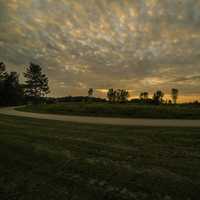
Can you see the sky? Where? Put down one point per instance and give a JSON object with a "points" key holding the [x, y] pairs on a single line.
{"points": [[139, 45]]}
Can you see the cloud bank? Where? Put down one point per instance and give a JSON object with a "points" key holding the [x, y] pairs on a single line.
{"points": [[138, 45]]}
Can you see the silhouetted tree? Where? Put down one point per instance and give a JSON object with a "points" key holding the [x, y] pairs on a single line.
{"points": [[2, 79], [144, 95], [90, 92], [158, 97], [13, 92], [174, 94], [2, 71], [117, 95], [122, 95], [111, 95], [36, 82]]}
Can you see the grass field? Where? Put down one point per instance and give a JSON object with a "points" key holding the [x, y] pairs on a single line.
{"points": [[119, 110], [43, 160]]}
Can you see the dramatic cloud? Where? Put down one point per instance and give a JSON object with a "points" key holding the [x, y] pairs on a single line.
{"points": [[140, 45]]}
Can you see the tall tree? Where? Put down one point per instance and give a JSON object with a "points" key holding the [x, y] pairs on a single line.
{"points": [[13, 92], [36, 82], [174, 94], [158, 97]]}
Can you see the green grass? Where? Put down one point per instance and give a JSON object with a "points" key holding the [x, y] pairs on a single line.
{"points": [[119, 110], [42, 159]]}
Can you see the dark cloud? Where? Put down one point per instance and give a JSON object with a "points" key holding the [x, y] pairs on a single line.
{"points": [[139, 45]]}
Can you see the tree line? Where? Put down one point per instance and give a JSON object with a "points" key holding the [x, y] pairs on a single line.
{"points": [[158, 97], [36, 87], [121, 96], [12, 92]]}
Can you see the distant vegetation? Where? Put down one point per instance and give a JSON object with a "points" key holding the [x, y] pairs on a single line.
{"points": [[36, 88], [128, 110]]}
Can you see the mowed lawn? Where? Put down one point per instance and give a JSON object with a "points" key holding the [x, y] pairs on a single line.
{"points": [[42, 160], [128, 110]]}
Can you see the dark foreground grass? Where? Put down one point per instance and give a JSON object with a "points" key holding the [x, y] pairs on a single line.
{"points": [[119, 110], [42, 160]]}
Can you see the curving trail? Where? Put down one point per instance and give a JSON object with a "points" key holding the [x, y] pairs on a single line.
{"points": [[104, 120]]}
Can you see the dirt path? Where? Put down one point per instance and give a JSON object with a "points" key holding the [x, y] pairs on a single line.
{"points": [[104, 120]]}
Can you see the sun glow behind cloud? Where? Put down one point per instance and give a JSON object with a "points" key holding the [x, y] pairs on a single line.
{"points": [[138, 45]]}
